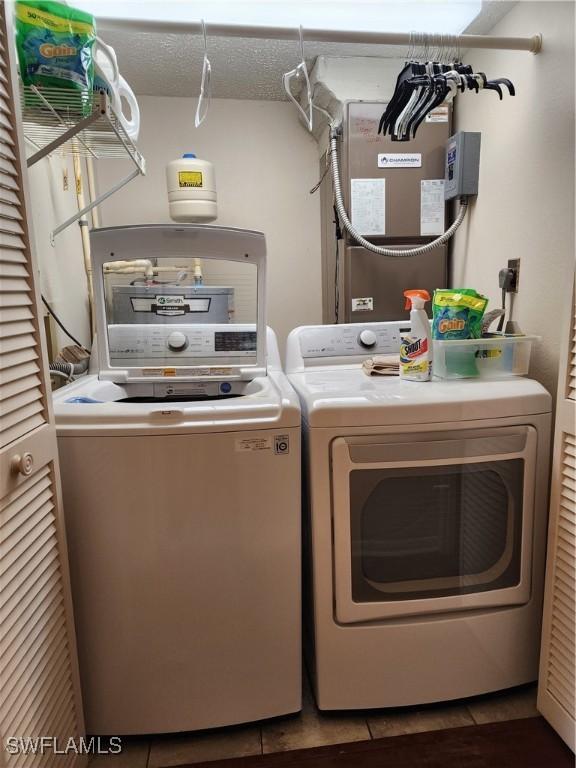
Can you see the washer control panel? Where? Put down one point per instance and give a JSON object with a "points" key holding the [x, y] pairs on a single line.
{"points": [[180, 343], [353, 340]]}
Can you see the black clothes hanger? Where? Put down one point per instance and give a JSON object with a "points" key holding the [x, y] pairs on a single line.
{"points": [[422, 87], [401, 96], [507, 83]]}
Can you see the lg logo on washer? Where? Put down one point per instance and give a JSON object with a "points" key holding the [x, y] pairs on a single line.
{"points": [[282, 444]]}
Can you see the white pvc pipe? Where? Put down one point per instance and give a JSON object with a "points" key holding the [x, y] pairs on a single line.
{"points": [[143, 266], [95, 213], [532, 44], [135, 265], [79, 181]]}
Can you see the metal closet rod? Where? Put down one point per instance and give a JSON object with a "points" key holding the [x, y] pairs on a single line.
{"points": [[532, 44]]}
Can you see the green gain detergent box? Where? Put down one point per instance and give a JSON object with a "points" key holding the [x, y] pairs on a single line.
{"points": [[54, 43], [457, 313]]}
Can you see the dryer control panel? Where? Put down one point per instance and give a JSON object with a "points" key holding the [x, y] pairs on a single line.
{"points": [[352, 340]]}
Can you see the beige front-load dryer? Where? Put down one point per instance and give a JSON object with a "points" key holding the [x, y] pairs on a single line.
{"points": [[425, 524]]}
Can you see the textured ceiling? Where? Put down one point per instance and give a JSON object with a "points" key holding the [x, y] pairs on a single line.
{"points": [[242, 68]]}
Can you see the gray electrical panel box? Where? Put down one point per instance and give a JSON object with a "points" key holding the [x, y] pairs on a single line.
{"points": [[462, 165]]}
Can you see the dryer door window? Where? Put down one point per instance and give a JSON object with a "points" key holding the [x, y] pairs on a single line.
{"points": [[435, 531], [433, 522]]}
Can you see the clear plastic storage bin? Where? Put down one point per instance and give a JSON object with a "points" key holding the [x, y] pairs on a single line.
{"points": [[497, 357]]}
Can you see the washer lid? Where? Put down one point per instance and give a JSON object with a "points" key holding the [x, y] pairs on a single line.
{"points": [[91, 406], [185, 302], [347, 397]]}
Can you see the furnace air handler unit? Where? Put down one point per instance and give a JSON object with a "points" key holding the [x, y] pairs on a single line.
{"points": [[394, 195]]}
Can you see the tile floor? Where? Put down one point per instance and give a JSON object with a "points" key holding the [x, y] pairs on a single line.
{"points": [[312, 728]]}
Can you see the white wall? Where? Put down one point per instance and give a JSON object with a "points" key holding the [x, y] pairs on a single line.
{"points": [[62, 276], [265, 164], [525, 206]]}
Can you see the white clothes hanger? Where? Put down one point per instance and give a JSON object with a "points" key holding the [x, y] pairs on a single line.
{"points": [[300, 71], [205, 85]]}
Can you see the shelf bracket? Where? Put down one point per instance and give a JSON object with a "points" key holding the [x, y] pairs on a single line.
{"points": [[66, 136], [48, 111], [93, 204]]}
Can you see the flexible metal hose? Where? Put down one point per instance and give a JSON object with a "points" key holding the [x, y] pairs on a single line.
{"points": [[69, 369], [339, 201], [61, 375]]}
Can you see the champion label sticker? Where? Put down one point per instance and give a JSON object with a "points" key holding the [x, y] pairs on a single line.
{"points": [[400, 160], [252, 444]]}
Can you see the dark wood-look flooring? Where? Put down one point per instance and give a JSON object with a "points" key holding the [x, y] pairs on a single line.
{"points": [[312, 728], [526, 743]]}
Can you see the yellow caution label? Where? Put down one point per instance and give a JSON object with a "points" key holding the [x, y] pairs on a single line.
{"points": [[189, 178], [169, 372]]}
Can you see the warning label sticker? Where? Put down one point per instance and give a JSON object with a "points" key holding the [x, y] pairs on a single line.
{"points": [[253, 444], [363, 304], [432, 206], [438, 115], [189, 178]]}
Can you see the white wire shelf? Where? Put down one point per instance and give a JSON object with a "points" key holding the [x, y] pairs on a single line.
{"points": [[64, 121]]}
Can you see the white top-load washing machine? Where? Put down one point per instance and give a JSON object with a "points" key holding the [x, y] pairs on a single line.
{"points": [[425, 525], [180, 461]]}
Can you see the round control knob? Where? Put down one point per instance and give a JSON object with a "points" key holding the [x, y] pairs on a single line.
{"points": [[367, 338], [177, 341]]}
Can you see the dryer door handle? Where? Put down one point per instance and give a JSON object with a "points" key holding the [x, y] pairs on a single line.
{"points": [[461, 448]]}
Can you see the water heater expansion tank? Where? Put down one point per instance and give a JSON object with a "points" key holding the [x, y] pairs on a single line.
{"points": [[191, 189]]}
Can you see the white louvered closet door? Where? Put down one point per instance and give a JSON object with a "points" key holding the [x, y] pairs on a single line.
{"points": [[557, 683], [39, 682]]}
